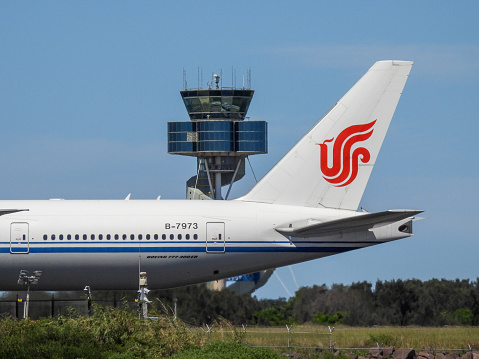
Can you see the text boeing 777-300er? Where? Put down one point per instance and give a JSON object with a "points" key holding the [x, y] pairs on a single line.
{"points": [[304, 208]]}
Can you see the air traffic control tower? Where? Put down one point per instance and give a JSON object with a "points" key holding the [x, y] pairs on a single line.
{"points": [[218, 135]]}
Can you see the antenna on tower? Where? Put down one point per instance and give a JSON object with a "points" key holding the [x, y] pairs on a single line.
{"points": [[185, 84]]}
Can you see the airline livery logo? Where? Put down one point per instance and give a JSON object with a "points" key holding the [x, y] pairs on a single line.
{"points": [[344, 168]]}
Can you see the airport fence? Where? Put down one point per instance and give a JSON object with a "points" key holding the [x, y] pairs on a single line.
{"points": [[52, 304], [289, 340]]}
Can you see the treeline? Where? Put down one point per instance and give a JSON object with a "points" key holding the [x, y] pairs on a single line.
{"points": [[411, 302]]}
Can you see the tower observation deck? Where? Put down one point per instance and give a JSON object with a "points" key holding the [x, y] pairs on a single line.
{"points": [[218, 135]]}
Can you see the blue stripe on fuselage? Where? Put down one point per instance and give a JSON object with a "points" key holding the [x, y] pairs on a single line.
{"points": [[144, 250]]}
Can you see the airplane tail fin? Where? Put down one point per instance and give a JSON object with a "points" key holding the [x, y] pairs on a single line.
{"points": [[330, 166]]}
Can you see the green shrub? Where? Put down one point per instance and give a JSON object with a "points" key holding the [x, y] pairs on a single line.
{"points": [[464, 316], [273, 316], [328, 319], [109, 332]]}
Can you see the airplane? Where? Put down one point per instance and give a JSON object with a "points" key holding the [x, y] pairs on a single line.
{"points": [[304, 208]]}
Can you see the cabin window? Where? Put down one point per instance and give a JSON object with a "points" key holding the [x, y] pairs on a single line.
{"points": [[85, 237], [195, 236], [179, 237], [77, 237], [147, 237], [92, 237], [163, 236], [187, 237], [100, 237], [140, 237], [117, 237], [45, 237], [53, 237], [156, 237], [124, 237], [69, 237], [60, 237], [108, 237], [132, 236], [172, 236]]}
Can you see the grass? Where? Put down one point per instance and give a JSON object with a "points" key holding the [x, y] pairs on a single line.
{"points": [[351, 337], [411, 337]]}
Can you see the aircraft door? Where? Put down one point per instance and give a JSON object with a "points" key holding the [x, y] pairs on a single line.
{"points": [[19, 241], [215, 237]]}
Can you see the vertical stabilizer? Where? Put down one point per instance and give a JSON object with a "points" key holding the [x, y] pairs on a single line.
{"points": [[330, 166]]}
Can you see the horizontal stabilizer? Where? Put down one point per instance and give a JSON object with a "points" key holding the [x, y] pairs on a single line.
{"points": [[356, 223], [8, 211]]}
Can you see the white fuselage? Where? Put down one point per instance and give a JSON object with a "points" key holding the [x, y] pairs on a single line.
{"points": [[283, 219], [104, 244]]}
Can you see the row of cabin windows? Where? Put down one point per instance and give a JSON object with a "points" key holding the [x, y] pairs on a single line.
{"points": [[116, 237]]}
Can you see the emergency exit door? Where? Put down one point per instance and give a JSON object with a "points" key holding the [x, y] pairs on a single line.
{"points": [[215, 237], [19, 242]]}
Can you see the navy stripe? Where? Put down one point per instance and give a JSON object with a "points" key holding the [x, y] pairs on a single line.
{"points": [[183, 249], [71, 243]]}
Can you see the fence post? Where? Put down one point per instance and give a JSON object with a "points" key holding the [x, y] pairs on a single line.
{"points": [[208, 331], [289, 332], [331, 344]]}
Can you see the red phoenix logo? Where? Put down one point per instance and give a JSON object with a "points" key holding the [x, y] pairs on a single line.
{"points": [[345, 164]]}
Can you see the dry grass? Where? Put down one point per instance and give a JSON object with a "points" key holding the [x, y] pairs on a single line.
{"points": [[348, 337]]}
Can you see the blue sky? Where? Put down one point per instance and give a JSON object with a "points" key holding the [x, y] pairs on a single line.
{"points": [[86, 90]]}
